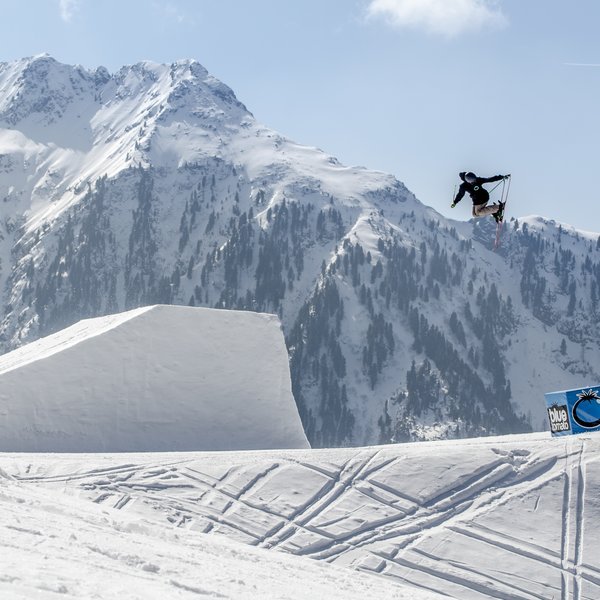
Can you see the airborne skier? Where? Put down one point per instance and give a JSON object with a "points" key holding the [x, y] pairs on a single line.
{"points": [[473, 184]]}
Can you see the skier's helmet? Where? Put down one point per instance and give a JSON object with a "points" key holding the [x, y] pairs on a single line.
{"points": [[470, 177]]}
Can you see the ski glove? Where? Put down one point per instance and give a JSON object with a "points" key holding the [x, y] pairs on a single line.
{"points": [[453, 205]]}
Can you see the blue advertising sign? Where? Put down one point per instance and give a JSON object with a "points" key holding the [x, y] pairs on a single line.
{"points": [[574, 411]]}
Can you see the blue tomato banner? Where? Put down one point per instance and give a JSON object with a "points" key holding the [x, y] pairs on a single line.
{"points": [[574, 411]]}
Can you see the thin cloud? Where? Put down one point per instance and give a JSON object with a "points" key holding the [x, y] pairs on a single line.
{"points": [[68, 9], [171, 11], [174, 13], [582, 64], [445, 17]]}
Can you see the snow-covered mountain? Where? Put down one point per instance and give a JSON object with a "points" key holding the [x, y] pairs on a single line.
{"points": [[156, 185], [509, 517]]}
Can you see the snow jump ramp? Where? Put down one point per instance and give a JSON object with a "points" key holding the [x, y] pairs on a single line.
{"points": [[158, 378]]}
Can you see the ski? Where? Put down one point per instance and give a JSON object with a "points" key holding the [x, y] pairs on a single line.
{"points": [[498, 234], [500, 220]]}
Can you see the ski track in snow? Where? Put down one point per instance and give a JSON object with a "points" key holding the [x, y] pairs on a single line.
{"points": [[469, 526]]}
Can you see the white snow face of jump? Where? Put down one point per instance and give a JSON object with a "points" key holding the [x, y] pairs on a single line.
{"points": [[158, 378]]}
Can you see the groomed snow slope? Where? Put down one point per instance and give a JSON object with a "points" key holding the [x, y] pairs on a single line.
{"points": [[54, 546], [510, 517], [159, 378]]}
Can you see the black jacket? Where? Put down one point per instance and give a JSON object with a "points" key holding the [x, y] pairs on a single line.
{"points": [[478, 194]]}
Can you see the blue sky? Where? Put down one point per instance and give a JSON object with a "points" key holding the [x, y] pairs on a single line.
{"points": [[422, 89]]}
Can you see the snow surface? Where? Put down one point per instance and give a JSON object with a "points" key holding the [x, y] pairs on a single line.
{"points": [[152, 379], [509, 518], [56, 546]]}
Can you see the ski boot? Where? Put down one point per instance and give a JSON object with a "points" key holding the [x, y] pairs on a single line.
{"points": [[499, 214]]}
